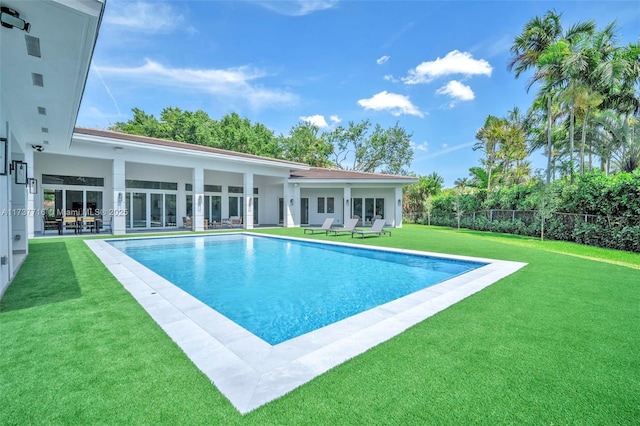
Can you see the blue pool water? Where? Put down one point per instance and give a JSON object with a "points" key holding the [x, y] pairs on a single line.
{"points": [[279, 289]]}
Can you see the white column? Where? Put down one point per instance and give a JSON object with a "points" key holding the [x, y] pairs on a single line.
{"points": [[198, 199], [31, 216], [289, 207], [119, 210], [247, 220], [346, 204], [398, 207]]}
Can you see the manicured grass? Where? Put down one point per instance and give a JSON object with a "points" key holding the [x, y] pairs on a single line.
{"points": [[555, 343]]}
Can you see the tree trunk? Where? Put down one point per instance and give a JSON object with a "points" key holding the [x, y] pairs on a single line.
{"points": [[571, 137], [549, 141], [583, 141]]}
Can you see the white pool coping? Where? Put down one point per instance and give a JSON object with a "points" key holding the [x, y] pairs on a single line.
{"points": [[249, 371]]}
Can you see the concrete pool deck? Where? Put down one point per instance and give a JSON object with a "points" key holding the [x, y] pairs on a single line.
{"points": [[249, 371]]}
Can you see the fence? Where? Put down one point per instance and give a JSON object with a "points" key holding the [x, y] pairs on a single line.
{"points": [[612, 232]]}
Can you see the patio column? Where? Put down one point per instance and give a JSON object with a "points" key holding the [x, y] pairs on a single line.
{"points": [[289, 204], [397, 203], [247, 182], [119, 210], [346, 204], [198, 199], [31, 218]]}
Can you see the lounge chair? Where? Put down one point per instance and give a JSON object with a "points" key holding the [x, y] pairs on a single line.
{"points": [[235, 220], [376, 229], [326, 227], [348, 227]]}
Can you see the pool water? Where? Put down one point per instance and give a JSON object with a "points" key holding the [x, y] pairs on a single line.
{"points": [[279, 289]]}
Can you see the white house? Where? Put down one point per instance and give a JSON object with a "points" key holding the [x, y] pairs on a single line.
{"points": [[133, 183]]}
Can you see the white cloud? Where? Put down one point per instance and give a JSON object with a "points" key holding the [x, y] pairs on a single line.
{"points": [[424, 146], [381, 60], [390, 78], [320, 121], [457, 91], [144, 17], [235, 82], [454, 62], [447, 150], [445, 145], [317, 120], [392, 102], [298, 7]]}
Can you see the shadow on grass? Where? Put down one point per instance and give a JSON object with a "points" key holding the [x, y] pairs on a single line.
{"points": [[47, 276]]}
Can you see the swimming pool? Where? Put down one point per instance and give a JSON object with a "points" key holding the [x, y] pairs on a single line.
{"points": [[251, 372], [280, 289]]}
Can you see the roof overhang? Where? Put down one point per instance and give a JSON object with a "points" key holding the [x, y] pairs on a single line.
{"points": [[40, 95], [174, 148], [342, 182]]}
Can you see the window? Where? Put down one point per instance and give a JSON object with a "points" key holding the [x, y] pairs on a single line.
{"points": [[146, 184], [72, 180], [213, 188], [236, 190], [320, 204], [330, 203]]}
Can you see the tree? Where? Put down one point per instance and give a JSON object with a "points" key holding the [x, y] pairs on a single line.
{"points": [[304, 145], [383, 150], [239, 134], [488, 137], [537, 48]]}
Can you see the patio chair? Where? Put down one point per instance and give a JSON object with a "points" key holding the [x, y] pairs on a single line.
{"points": [[86, 222], [70, 222], [326, 227], [51, 223], [235, 220], [376, 229], [350, 226], [186, 222]]}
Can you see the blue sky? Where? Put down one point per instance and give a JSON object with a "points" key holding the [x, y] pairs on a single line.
{"points": [[437, 68]]}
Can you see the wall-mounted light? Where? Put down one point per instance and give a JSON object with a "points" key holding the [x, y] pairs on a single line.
{"points": [[9, 18], [120, 197], [21, 172], [199, 202], [399, 202], [347, 201], [33, 185], [291, 201], [4, 153]]}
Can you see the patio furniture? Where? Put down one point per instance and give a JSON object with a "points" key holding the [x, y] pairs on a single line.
{"points": [[50, 223], [69, 222], [186, 222], [376, 229], [348, 227], [326, 227], [86, 222], [102, 224], [235, 220]]}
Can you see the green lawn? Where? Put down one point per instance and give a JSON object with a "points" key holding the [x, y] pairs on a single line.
{"points": [[557, 343]]}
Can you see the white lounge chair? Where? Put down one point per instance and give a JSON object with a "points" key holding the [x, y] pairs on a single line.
{"points": [[326, 227], [350, 226], [376, 229]]}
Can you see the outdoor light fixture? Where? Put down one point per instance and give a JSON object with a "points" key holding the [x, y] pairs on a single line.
{"points": [[399, 202], [120, 198], [21, 172], [291, 201], [9, 18], [3, 156]]}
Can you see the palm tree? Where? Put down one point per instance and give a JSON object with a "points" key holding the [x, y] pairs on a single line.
{"points": [[540, 47], [489, 137]]}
